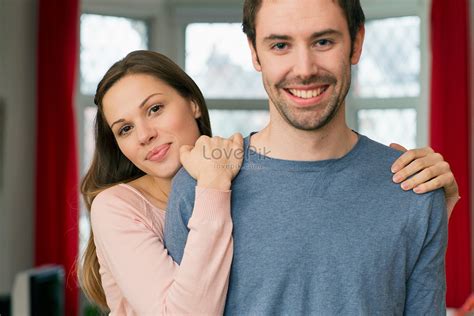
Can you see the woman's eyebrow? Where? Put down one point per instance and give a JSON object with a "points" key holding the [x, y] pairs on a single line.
{"points": [[147, 98], [140, 106]]}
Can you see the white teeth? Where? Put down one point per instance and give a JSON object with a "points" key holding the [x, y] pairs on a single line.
{"points": [[307, 94]]}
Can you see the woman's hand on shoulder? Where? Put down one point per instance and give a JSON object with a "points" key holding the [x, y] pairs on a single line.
{"points": [[423, 170], [214, 161]]}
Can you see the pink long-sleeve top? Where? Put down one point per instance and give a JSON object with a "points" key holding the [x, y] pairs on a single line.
{"points": [[138, 275]]}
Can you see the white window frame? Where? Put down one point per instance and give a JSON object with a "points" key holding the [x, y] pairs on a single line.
{"points": [[379, 9], [218, 13]]}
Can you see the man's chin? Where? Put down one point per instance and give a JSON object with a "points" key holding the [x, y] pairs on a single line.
{"points": [[309, 119], [308, 125]]}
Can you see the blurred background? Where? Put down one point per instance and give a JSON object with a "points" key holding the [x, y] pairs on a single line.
{"points": [[412, 87]]}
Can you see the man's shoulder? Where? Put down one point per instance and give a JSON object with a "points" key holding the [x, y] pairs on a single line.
{"points": [[433, 203], [182, 194], [183, 181], [379, 153], [376, 161]]}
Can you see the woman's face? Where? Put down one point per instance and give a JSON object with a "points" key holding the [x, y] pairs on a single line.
{"points": [[150, 121]]}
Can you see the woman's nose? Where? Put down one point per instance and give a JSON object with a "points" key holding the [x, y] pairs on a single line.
{"points": [[146, 134]]}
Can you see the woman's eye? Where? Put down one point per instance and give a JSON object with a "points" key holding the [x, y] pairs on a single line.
{"points": [[155, 108], [124, 130]]}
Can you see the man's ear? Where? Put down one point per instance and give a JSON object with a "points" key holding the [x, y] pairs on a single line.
{"points": [[196, 110], [357, 47], [255, 61]]}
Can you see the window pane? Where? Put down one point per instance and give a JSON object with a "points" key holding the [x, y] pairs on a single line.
{"points": [[218, 59], [104, 40], [390, 63], [227, 122], [89, 146], [389, 126], [89, 142], [84, 228]]}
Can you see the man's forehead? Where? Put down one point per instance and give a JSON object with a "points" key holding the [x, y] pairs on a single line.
{"points": [[288, 16], [295, 7]]}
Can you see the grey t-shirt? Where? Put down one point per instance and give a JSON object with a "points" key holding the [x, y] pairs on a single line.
{"points": [[332, 237]]}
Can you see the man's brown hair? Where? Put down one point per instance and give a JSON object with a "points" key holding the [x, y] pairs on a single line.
{"points": [[352, 11]]}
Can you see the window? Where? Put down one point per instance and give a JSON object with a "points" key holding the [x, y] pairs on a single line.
{"points": [[385, 93], [227, 122], [104, 40], [219, 60], [389, 125], [390, 64]]}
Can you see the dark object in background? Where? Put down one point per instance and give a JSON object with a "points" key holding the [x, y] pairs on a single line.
{"points": [[39, 292], [5, 305]]}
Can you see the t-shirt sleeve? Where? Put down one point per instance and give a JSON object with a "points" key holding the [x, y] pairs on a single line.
{"points": [[148, 278], [426, 284]]}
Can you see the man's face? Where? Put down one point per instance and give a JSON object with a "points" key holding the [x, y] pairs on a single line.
{"points": [[303, 49]]}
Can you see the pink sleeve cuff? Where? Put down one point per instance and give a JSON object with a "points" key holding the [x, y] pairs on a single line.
{"points": [[211, 204]]}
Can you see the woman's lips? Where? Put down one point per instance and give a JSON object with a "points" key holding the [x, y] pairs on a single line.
{"points": [[159, 153]]}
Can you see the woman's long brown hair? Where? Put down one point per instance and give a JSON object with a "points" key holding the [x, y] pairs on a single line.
{"points": [[109, 166]]}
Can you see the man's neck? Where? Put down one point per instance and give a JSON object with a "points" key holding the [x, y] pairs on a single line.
{"points": [[282, 141]]}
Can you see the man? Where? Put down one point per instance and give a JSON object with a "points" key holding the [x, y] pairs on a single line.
{"points": [[319, 226]]}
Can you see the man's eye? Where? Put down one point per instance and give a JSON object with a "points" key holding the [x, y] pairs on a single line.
{"points": [[280, 46], [323, 42], [124, 130]]}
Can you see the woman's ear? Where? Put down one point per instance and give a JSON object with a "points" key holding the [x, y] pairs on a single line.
{"points": [[196, 110]]}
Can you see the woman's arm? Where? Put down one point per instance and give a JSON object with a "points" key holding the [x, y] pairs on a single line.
{"points": [[211, 173], [131, 250], [423, 170], [150, 281]]}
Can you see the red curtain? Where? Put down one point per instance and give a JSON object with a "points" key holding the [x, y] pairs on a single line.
{"points": [[56, 224], [450, 130]]}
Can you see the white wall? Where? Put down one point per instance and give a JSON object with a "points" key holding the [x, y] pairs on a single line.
{"points": [[17, 89]]}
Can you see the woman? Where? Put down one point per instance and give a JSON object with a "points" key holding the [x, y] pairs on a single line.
{"points": [[150, 114], [147, 109]]}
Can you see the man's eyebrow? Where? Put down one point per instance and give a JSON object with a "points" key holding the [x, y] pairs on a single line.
{"points": [[273, 37], [326, 32], [140, 106]]}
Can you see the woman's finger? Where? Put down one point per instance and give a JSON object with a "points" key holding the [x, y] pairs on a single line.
{"points": [[419, 164], [409, 156]]}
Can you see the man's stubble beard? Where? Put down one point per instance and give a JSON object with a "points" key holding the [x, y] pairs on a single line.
{"points": [[311, 121]]}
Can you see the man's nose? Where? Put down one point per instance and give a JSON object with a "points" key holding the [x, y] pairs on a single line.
{"points": [[305, 63]]}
